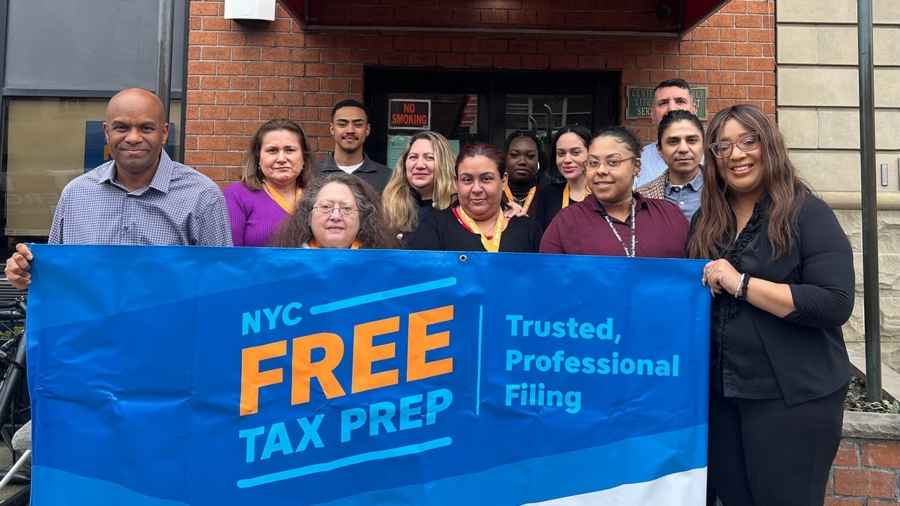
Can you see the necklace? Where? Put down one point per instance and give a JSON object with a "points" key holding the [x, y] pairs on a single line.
{"points": [[619, 237], [524, 202], [617, 204]]}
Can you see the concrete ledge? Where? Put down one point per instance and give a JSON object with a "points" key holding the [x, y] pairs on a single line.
{"points": [[890, 379], [859, 425], [853, 200]]}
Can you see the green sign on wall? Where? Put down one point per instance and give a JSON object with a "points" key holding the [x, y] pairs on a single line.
{"points": [[640, 101]]}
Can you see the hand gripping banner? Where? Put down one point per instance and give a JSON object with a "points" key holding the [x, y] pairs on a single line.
{"points": [[164, 376]]}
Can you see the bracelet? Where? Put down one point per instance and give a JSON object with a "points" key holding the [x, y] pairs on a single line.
{"points": [[741, 292]]}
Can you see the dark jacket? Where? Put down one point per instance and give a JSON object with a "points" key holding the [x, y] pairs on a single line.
{"points": [[371, 172]]}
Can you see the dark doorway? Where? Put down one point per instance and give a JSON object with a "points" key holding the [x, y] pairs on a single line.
{"points": [[468, 105]]}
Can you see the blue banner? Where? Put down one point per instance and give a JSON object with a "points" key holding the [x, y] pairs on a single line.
{"points": [[209, 376]]}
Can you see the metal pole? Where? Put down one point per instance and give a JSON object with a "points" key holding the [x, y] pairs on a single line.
{"points": [[164, 70], [869, 200]]}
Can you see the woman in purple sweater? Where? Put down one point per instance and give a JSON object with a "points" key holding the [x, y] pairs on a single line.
{"points": [[277, 167]]}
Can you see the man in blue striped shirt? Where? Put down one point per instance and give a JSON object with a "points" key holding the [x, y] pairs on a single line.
{"points": [[139, 197]]}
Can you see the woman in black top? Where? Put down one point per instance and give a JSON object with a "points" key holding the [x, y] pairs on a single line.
{"points": [[523, 153], [782, 275], [571, 148], [476, 221]]}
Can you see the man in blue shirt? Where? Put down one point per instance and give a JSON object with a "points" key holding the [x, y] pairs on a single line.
{"points": [[139, 197], [669, 95]]}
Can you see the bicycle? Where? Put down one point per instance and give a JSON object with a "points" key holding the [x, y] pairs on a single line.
{"points": [[15, 405]]}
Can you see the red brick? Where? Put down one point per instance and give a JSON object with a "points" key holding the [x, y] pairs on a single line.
{"points": [[538, 61], [496, 17], [422, 59], [694, 76], [201, 68], [635, 47], [494, 46], [748, 49], [190, 142], [193, 53], [273, 84], [726, 20], [664, 47], [436, 44], [336, 85], [704, 63], [305, 84], [204, 9], [864, 483], [761, 64], [522, 46], [719, 77], [636, 76], [213, 112], [735, 7], [620, 62], [392, 58], [194, 158], [232, 38], [217, 24], [885, 454], [228, 128], [689, 48], [507, 60], [564, 61], [466, 16], [407, 43], [200, 97], [848, 455], [213, 143], [748, 21], [231, 68], [364, 57], [215, 83], [245, 83], [261, 69], [736, 92], [450, 60], [276, 54], [720, 49], [229, 98], [551, 47], [246, 53], [202, 38], [648, 62], [727, 63], [215, 53], [763, 92], [763, 7], [227, 159], [465, 45], [874, 502], [832, 501], [245, 113], [479, 60], [592, 62], [192, 112], [677, 62], [658, 76], [749, 78], [240, 143], [579, 47], [704, 34], [260, 98]]}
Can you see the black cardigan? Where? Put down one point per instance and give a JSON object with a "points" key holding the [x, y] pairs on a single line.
{"points": [[441, 231], [805, 349]]}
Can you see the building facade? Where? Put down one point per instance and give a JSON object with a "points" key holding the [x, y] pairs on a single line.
{"points": [[485, 67]]}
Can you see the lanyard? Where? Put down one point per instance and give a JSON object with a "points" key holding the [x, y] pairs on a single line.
{"points": [[491, 243], [633, 240], [565, 199]]}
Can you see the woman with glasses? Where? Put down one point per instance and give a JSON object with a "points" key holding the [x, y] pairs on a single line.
{"points": [[278, 165], [337, 210], [615, 221], [781, 272], [475, 222], [571, 147]]}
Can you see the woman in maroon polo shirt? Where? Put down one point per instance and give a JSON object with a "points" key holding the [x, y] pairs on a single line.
{"points": [[617, 221]]}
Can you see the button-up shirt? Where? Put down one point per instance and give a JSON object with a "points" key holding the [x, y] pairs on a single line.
{"points": [[686, 196], [180, 207]]}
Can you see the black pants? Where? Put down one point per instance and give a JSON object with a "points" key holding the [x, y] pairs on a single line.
{"points": [[764, 453]]}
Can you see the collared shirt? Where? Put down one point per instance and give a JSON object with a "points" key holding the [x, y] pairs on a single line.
{"points": [[581, 229], [371, 172], [180, 207], [686, 196], [652, 165]]}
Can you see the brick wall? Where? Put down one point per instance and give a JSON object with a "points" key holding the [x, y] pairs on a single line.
{"points": [[865, 473], [240, 75]]}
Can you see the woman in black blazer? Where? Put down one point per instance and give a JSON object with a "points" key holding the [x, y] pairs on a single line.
{"points": [[783, 283]]}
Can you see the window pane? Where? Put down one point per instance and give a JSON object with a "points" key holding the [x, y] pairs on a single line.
{"points": [[51, 141]]}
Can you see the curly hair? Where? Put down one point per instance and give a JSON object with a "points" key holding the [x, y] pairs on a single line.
{"points": [[399, 205], [373, 231], [251, 174], [714, 228]]}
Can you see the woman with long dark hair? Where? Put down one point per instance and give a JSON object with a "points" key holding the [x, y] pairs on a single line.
{"points": [[781, 271], [571, 148]]}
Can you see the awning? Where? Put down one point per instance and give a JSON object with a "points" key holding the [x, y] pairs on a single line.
{"points": [[670, 17]]}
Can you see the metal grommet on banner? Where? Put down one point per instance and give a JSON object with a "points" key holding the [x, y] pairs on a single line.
{"points": [[463, 258]]}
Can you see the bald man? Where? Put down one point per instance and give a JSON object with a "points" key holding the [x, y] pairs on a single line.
{"points": [[139, 197]]}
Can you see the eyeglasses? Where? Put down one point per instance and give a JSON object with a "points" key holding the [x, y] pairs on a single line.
{"points": [[329, 208], [595, 164], [747, 142]]}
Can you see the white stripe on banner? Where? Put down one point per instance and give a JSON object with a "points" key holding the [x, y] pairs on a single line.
{"points": [[685, 489]]}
